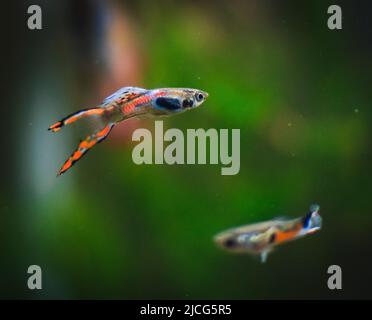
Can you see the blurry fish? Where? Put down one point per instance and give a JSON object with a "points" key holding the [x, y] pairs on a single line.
{"points": [[129, 102], [261, 238]]}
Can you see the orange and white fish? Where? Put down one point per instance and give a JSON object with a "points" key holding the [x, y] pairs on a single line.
{"points": [[129, 102], [261, 238]]}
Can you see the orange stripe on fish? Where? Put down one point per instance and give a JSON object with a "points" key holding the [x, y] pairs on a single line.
{"points": [[56, 127], [130, 106], [104, 132], [283, 236]]}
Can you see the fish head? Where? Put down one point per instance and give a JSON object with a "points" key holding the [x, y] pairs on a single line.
{"points": [[175, 100], [312, 222], [194, 98], [226, 241]]}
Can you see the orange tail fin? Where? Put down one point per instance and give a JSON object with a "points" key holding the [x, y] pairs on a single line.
{"points": [[84, 146], [74, 117]]}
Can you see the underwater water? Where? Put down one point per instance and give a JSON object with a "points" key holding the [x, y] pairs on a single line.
{"points": [[299, 93]]}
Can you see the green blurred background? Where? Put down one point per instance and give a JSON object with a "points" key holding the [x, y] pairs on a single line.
{"points": [[299, 93]]}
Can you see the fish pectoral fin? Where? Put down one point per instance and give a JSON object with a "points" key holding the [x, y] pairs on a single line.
{"points": [[264, 255], [84, 146], [263, 236]]}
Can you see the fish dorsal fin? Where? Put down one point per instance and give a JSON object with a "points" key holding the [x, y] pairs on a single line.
{"points": [[281, 219], [123, 95]]}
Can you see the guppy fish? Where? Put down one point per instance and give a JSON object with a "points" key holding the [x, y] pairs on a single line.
{"points": [[129, 102], [261, 238]]}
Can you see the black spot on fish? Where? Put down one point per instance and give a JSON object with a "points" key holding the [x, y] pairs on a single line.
{"points": [[187, 103], [272, 238], [230, 243], [168, 103]]}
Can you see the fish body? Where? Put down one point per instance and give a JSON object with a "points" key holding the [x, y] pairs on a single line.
{"points": [[126, 103], [261, 238]]}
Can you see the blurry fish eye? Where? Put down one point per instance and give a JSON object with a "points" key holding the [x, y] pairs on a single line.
{"points": [[187, 103], [230, 243], [199, 97]]}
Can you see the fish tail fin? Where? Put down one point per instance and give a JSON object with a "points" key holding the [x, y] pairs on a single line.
{"points": [[84, 146], [312, 221], [76, 116], [314, 208]]}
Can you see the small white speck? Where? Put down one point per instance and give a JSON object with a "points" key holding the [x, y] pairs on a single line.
{"points": [[356, 110], [289, 124]]}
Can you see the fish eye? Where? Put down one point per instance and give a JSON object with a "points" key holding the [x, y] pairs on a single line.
{"points": [[199, 97], [187, 103], [230, 243]]}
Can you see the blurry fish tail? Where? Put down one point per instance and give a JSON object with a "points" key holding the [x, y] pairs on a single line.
{"points": [[76, 116], [84, 146], [314, 208]]}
